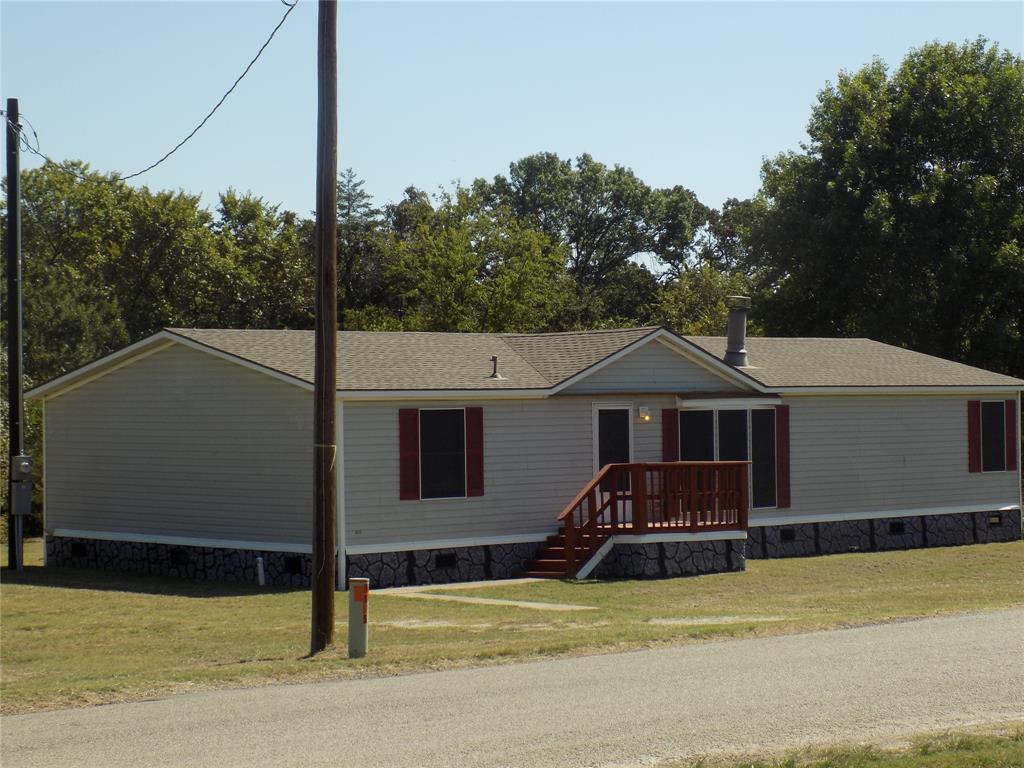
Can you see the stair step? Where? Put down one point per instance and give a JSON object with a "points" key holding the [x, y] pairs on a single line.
{"points": [[541, 564], [558, 553], [544, 574]]}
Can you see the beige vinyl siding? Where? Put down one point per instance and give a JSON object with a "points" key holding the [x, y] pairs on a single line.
{"points": [[181, 443], [878, 454], [538, 454], [654, 367]]}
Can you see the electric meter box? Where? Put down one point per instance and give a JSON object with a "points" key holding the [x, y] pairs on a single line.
{"points": [[21, 468], [21, 485]]}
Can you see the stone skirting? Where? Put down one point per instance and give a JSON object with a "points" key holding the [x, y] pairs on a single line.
{"points": [[281, 569], [882, 534], [238, 566], [669, 559], [442, 566], [503, 561]]}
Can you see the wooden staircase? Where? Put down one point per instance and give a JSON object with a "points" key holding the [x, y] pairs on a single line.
{"points": [[660, 497], [551, 561]]}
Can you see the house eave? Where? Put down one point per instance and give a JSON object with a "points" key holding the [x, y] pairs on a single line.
{"points": [[883, 390]]}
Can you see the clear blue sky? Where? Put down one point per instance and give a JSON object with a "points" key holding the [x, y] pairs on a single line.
{"points": [[684, 93]]}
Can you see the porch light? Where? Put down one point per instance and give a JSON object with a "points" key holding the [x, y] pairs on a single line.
{"points": [[644, 413]]}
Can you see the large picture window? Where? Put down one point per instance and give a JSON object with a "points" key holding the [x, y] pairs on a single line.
{"points": [[993, 436], [734, 435], [442, 453]]}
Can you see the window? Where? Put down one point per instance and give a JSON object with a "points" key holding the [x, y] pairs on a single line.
{"points": [[442, 453], [734, 435], [697, 435], [993, 436]]}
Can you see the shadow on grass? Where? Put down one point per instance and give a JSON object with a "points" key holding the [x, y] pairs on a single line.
{"points": [[117, 581]]}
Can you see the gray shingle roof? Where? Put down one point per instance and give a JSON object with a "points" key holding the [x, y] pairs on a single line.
{"points": [[808, 362], [384, 361], [440, 361], [559, 356]]}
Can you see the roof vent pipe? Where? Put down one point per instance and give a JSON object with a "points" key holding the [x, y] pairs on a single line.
{"points": [[736, 345], [494, 368]]}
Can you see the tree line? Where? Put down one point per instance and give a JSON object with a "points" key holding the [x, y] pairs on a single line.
{"points": [[901, 218]]}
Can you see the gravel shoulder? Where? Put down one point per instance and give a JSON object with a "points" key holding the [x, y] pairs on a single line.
{"points": [[743, 696]]}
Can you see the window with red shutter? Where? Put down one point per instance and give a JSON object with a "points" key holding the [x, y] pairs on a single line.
{"points": [[442, 453]]}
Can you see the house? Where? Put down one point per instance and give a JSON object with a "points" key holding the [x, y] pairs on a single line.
{"points": [[632, 452]]}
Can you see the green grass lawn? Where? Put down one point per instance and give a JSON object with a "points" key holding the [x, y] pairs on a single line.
{"points": [[1000, 750], [82, 637]]}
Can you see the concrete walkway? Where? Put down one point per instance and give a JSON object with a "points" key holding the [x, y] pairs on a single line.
{"points": [[621, 709]]}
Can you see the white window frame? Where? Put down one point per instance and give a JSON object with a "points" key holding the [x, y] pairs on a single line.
{"points": [[609, 406], [465, 454], [720, 405], [981, 436]]}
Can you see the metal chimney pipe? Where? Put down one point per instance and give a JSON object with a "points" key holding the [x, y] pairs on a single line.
{"points": [[736, 345]]}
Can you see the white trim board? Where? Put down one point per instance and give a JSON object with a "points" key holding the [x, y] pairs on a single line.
{"points": [[938, 390], [182, 541], [268, 546], [143, 348], [836, 517], [97, 369], [356, 395], [684, 403], [405, 546], [200, 347]]}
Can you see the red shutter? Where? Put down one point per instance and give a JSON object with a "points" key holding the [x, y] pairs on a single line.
{"points": [[409, 453], [670, 434], [474, 451], [782, 456], [974, 436], [1012, 441]]}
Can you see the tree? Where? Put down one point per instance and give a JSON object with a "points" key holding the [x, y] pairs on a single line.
{"points": [[606, 216], [693, 303], [71, 231], [462, 266], [903, 217], [262, 274], [674, 221], [359, 245]]}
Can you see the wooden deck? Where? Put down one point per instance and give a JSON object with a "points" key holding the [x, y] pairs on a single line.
{"points": [[651, 498]]}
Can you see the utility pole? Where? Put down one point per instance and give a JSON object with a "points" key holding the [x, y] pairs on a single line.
{"points": [[326, 334], [16, 410]]}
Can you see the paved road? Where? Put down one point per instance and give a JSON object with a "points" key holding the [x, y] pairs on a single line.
{"points": [[621, 709]]}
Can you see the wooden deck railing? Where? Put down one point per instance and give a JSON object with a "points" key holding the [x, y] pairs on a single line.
{"points": [[654, 498]]}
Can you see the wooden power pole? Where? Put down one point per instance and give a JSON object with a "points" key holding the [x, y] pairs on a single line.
{"points": [[326, 336], [16, 409]]}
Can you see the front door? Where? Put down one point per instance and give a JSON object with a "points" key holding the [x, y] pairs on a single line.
{"points": [[614, 440]]}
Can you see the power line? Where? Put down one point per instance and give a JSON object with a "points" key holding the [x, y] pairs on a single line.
{"points": [[37, 151]]}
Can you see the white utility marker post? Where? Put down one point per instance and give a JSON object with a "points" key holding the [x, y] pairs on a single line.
{"points": [[358, 617]]}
